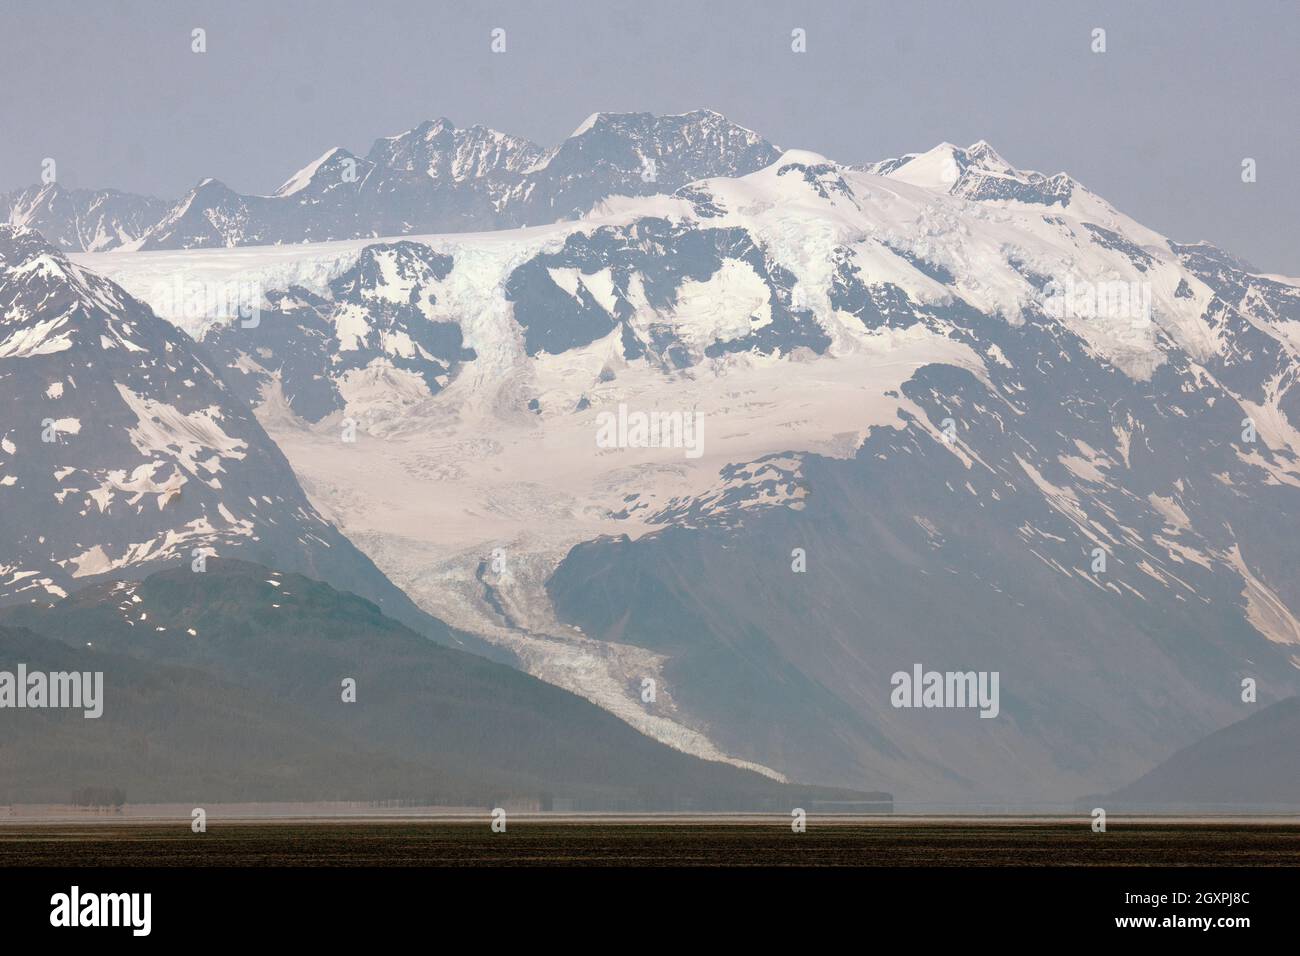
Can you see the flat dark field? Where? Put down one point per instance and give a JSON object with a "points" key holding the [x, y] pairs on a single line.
{"points": [[337, 843]]}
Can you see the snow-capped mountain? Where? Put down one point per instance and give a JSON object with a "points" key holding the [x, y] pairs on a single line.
{"points": [[977, 172], [1010, 428], [82, 220], [375, 336], [472, 158], [122, 449], [336, 196], [432, 178], [437, 178], [634, 154]]}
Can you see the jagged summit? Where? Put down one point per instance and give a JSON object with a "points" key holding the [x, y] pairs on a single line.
{"points": [[447, 154], [78, 220], [977, 172], [437, 177], [20, 241], [329, 161], [433, 177]]}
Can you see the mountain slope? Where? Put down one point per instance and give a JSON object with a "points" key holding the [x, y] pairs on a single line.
{"points": [[337, 196], [426, 721], [1251, 764], [377, 331], [122, 448], [978, 172], [177, 734]]}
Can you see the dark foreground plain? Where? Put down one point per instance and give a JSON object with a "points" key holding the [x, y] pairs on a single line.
{"points": [[958, 842]]}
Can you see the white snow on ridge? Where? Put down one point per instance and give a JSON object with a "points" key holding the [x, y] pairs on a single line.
{"points": [[39, 339], [303, 177], [935, 169], [165, 431], [436, 484], [585, 125], [889, 217], [150, 276]]}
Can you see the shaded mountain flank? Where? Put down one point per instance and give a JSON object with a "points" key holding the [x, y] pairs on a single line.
{"points": [[1253, 764], [227, 685]]}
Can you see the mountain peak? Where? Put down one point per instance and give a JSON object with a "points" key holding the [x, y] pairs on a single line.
{"points": [[658, 120], [25, 250], [83, 220], [210, 186], [447, 154], [49, 304], [24, 240], [425, 130], [803, 157], [976, 172], [149, 454], [586, 124], [981, 154], [205, 191], [612, 116], [944, 165], [304, 177]]}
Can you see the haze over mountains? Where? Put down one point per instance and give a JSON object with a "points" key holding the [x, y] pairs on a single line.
{"points": [[1009, 428], [432, 178]]}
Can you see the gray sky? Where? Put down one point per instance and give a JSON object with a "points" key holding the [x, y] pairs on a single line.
{"points": [[1159, 124]]}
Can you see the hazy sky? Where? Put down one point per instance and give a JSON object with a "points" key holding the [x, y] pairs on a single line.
{"points": [[1159, 124]]}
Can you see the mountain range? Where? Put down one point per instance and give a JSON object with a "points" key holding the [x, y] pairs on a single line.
{"points": [[431, 178], [952, 413]]}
